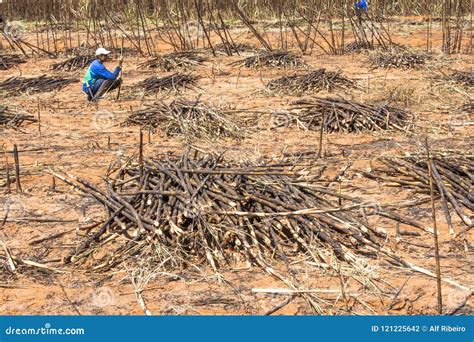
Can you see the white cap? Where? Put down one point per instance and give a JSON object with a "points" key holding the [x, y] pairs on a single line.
{"points": [[101, 51]]}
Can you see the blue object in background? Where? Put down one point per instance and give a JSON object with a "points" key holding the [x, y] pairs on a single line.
{"points": [[361, 4]]}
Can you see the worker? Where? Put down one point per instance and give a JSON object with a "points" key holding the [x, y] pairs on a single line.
{"points": [[360, 8], [98, 80], [361, 5]]}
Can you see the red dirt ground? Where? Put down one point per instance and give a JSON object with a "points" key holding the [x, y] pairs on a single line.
{"points": [[74, 139]]}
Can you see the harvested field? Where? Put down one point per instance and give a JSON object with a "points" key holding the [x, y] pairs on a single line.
{"points": [[198, 191]]}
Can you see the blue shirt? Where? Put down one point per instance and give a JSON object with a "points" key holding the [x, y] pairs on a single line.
{"points": [[97, 71], [361, 4]]}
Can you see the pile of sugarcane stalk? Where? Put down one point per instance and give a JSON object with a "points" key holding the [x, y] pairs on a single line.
{"points": [[33, 85], [397, 59], [74, 63], [465, 78], [13, 119], [173, 82], [274, 59], [175, 60], [314, 81], [192, 119], [196, 208], [357, 47], [9, 61], [453, 176], [341, 115], [234, 48]]}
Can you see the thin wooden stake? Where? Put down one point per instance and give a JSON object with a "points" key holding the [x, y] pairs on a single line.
{"points": [[321, 133], [435, 227], [7, 171], [17, 168], [39, 117], [140, 152], [11, 263]]}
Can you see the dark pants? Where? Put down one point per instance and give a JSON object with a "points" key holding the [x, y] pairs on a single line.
{"points": [[102, 86]]}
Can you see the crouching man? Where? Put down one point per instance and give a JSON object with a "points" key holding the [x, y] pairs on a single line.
{"points": [[98, 80]]}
